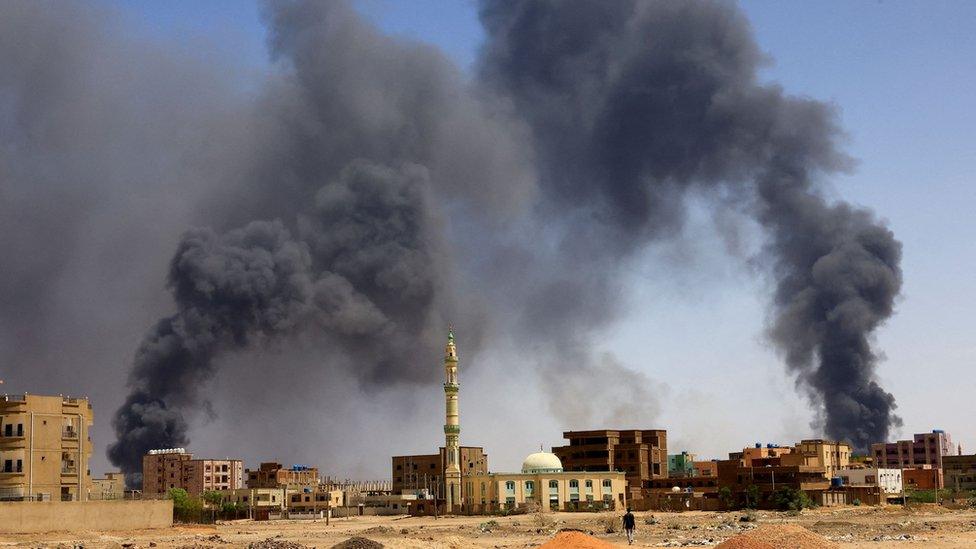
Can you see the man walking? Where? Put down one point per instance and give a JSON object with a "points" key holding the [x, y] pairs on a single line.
{"points": [[629, 523]]}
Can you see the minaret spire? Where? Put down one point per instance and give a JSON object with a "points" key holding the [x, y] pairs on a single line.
{"points": [[452, 426]]}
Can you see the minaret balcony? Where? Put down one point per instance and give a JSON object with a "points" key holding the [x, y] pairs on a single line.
{"points": [[452, 429], [451, 387]]}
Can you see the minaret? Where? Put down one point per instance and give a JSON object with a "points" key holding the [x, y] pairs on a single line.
{"points": [[452, 427]]}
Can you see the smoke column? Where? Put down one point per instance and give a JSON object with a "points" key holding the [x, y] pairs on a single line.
{"points": [[633, 104], [368, 193]]}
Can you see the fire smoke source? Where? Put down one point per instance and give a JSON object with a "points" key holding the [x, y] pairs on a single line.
{"points": [[369, 192]]}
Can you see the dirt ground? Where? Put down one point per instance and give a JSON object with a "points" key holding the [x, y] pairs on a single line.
{"points": [[853, 527]]}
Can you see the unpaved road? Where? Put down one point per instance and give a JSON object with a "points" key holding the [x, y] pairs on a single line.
{"points": [[853, 527]]}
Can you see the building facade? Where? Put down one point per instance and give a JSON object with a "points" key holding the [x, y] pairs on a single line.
{"points": [[681, 465], [923, 477], [959, 472], [274, 475], [923, 449], [208, 475], [112, 486], [171, 468], [45, 447], [828, 454], [642, 455], [889, 480], [426, 471], [544, 485]]}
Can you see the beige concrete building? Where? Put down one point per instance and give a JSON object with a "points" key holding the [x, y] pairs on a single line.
{"points": [[830, 455], [112, 486], [207, 475], [544, 485], [274, 475], [44, 448], [266, 500], [163, 470]]}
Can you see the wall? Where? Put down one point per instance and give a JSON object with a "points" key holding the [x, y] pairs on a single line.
{"points": [[31, 517]]}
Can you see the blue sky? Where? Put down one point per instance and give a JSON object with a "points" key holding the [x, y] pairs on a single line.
{"points": [[903, 78]]}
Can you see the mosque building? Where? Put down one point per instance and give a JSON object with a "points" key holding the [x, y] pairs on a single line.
{"points": [[543, 485]]}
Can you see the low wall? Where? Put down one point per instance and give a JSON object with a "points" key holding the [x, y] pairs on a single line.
{"points": [[64, 516]]}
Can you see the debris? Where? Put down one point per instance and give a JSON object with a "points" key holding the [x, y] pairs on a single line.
{"points": [[358, 543], [275, 543]]}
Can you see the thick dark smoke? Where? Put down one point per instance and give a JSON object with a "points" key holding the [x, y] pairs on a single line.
{"points": [[364, 273], [367, 193], [632, 105]]}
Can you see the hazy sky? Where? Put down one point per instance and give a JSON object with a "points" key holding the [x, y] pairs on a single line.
{"points": [[902, 75]]}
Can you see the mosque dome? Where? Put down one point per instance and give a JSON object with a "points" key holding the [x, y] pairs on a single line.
{"points": [[542, 462]]}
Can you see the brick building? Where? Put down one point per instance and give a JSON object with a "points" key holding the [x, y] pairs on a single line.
{"points": [[163, 470], [922, 477], [924, 449], [426, 471], [642, 455], [45, 446]]}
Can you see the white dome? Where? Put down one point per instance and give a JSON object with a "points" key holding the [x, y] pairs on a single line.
{"points": [[542, 462]]}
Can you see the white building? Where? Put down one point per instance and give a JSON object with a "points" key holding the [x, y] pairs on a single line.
{"points": [[889, 480]]}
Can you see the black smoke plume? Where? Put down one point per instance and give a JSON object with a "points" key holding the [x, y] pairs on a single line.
{"points": [[633, 105], [367, 193]]}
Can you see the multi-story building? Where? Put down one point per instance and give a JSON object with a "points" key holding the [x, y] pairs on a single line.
{"points": [[110, 487], [426, 471], [45, 447], [924, 449], [163, 470], [642, 455], [960, 472], [829, 455], [274, 475], [208, 475], [681, 465], [889, 480], [544, 485]]}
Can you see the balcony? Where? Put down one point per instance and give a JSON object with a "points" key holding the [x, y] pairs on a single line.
{"points": [[69, 433], [69, 470]]}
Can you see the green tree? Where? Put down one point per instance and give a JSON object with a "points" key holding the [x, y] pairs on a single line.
{"points": [[213, 498], [185, 508], [790, 499], [725, 496], [752, 496]]}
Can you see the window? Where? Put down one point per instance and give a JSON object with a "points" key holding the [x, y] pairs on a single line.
{"points": [[553, 485], [8, 466], [529, 487], [607, 483], [574, 484], [589, 484]]}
